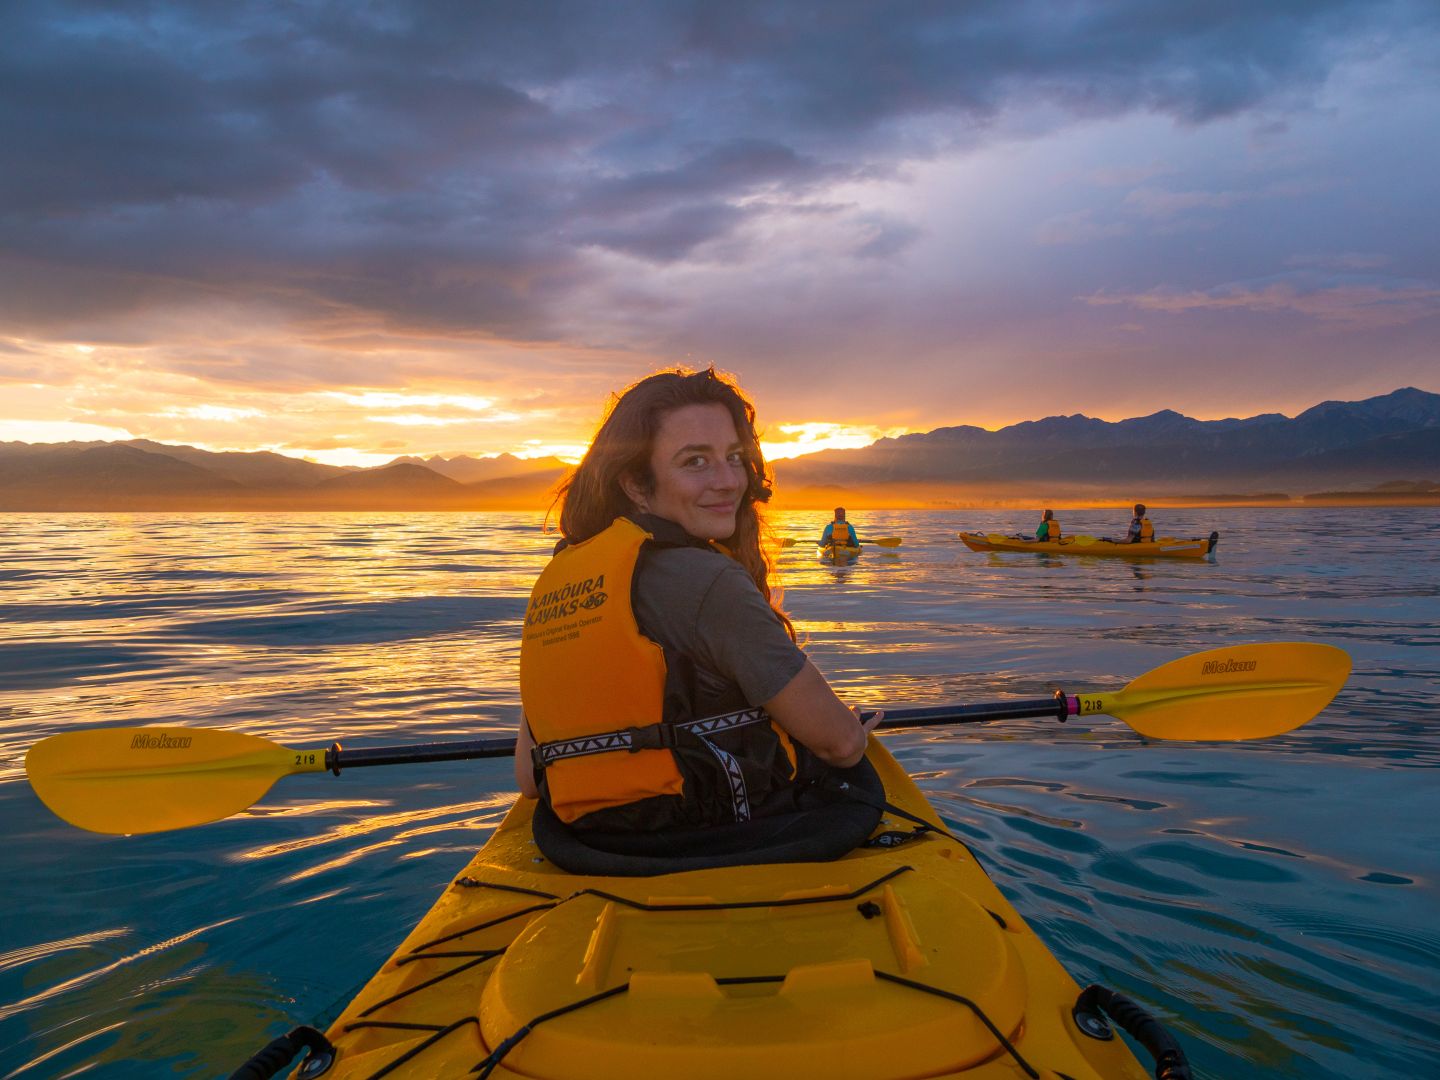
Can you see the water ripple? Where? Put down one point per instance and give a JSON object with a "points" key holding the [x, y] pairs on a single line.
{"points": [[1273, 900]]}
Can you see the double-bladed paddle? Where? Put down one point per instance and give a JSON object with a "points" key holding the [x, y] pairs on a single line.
{"points": [[136, 780], [880, 541]]}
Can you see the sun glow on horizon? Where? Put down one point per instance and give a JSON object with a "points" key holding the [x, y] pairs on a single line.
{"points": [[343, 456], [356, 458], [60, 431], [570, 453], [59, 392], [811, 438]]}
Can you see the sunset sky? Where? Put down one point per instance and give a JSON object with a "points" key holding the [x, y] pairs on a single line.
{"points": [[350, 231]]}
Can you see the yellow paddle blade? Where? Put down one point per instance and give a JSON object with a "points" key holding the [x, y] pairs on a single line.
{"points": [[1241, 692], [137, 780]]}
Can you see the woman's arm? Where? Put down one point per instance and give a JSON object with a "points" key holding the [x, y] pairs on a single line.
{"points": [[524, 770], [810, 713]]}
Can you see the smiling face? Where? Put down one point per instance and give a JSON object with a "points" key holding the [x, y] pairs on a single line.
{"points": [[698, 464]]}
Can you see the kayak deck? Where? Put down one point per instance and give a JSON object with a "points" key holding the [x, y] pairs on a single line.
{"points": [[893, 961], [1163, 547], [838, 554]]}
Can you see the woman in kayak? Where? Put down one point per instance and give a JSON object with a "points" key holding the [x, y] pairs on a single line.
{"points": [[653, 640], [1049, 528], [1140, 531], [839, 531]]}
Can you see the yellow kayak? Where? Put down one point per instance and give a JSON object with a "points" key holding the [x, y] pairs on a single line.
{"points": [[838, 554], [898, 960], [1163, 546]]}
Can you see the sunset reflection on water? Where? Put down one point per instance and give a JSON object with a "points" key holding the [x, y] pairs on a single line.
{"points": [[1185, 875]]}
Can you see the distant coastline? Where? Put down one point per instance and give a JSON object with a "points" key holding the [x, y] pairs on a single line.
{"points": [[540, 502], [1383, 451], [1076, 501]]}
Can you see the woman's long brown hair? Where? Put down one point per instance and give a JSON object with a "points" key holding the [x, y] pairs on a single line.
{"points": [[591, 497]]}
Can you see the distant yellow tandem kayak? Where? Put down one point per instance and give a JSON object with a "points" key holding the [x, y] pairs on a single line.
{"points": [[899, 960], [1165, 546]]}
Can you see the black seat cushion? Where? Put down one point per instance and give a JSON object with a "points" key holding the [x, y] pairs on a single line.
{"points": [[826, 824]]}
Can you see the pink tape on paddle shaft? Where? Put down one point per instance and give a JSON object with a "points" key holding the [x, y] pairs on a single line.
{"points": [[1073, 704]]}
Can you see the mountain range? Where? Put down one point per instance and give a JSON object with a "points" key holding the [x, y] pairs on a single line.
{"points": [[139, 474], [1391, 440], [1385, 447]]}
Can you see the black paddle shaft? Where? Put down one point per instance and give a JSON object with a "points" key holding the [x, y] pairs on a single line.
{"points": [[337, 759], [934, 715], [923, 716]]}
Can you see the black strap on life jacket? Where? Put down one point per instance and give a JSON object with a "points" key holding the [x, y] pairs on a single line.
{"points": [[667, 735], [659, 736]]}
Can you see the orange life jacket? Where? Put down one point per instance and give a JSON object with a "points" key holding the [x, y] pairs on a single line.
{"points": [[1053, 534], [842, 535], [1147, 531], [613, 725]]}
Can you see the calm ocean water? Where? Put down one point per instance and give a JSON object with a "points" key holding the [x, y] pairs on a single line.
{"points": [[1275, 901]]}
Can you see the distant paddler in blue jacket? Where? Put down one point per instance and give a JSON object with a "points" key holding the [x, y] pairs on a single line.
{"points": [[1049, 528], [839, 532]]}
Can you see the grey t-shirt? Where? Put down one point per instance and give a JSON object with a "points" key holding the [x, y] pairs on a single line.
{"points": [[705, 605]]}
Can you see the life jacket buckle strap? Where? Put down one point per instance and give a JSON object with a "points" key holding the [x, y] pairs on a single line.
{"points": [[664, 735], [651, 737]]}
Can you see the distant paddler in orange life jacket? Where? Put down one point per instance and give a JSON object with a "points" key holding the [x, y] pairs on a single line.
{"points": [[1140, 531], [661, 684], [839, 532], [1049, 528]]}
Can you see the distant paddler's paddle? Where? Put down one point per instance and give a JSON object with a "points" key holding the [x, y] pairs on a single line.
{"points": [[883, 541], [136, 780]]}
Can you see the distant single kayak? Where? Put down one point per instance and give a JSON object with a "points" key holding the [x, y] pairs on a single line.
{"points": [[838, 554], [900, 959], [1164, 546]]}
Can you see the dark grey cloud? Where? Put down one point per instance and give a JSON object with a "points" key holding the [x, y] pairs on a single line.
{"points": [[733, 168], [451, 165], [668, 235]]}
